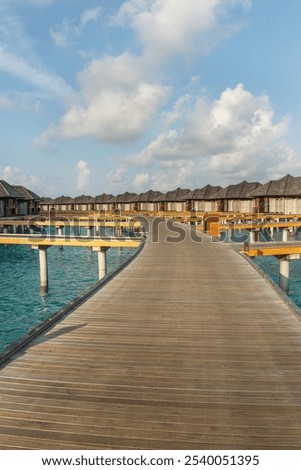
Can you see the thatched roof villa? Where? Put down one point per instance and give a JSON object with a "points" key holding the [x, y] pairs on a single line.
{"points": [[122, 202], [146, 201], [172, 200], [278, 196], [17, 200], [234, 198], [101, 202], [200, 199], [275, 196]]}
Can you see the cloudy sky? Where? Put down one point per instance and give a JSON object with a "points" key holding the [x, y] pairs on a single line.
{"points": [[111, 96]]}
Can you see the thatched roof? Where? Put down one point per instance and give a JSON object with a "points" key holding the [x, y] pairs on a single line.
{"points": [[63, 200], [82, 199], [122, 198], [47, 200], [204, 193], [27, 193], [149, 196], [9, 191], [102, 198], [286, 186], [236, 191], [173, 196]]}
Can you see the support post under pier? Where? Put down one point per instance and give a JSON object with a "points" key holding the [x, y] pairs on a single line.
{"points": [[102, 261], [60, 231], [285, 235], [284, 271], [43, 267], [252, 236], [60, 234], [89, 230]]}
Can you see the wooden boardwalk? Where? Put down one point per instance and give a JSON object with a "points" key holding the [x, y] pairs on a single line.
{"points": [[188, 348]]}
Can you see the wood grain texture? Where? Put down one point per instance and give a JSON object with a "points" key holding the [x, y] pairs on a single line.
{"points": [[188, 348]]}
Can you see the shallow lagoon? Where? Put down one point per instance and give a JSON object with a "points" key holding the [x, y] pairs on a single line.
{"points": [[71, 272]]}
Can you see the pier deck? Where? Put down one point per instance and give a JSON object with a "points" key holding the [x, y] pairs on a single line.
{"points": [[188, 348], [88, 242]]}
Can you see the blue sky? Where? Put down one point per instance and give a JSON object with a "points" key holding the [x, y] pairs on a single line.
{"points": [[111, 96]]}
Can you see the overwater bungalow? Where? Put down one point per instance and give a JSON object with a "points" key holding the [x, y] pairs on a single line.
{"points": [[278, 196], [46, 204], [10, 199], [172, 200], [30, 204], [82, 203], [102, 202], [235, 198], [63, 204], [199, 200], [146, 201], [122, 202]]}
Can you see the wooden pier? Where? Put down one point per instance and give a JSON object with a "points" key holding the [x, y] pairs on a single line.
{"points": [[42, 242], [188, 348], [63, 240]]}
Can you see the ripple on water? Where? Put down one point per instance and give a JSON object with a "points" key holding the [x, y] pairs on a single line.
{"points": [[71, 272], [270, 265]]}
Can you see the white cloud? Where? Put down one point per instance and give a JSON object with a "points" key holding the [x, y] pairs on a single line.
{"points": [[140, 181], [13, 34], [63, 34], [90, 15], [168, 28], [18, 57], [116, 179], [178, 111], [119, 96], [15, 175], [230, 137], [33, 74], [83, 179], [24, 102], [60, 34], [173, 176], [116, 102]]}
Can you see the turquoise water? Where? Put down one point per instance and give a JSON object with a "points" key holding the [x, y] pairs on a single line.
{"points": [[71, 272], [270, 264]]}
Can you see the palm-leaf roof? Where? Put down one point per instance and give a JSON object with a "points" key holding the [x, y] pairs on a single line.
{"points": [[27, 193], [149, 196], [63, 200], [9, 191], [123, 198], [286, 186], [236, 191], [201, 194], [83, 199], [173, 196], [102, 198]]}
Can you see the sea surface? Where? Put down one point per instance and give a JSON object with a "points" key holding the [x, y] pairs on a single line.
{"points": [[71, 272], [270, 266]]}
